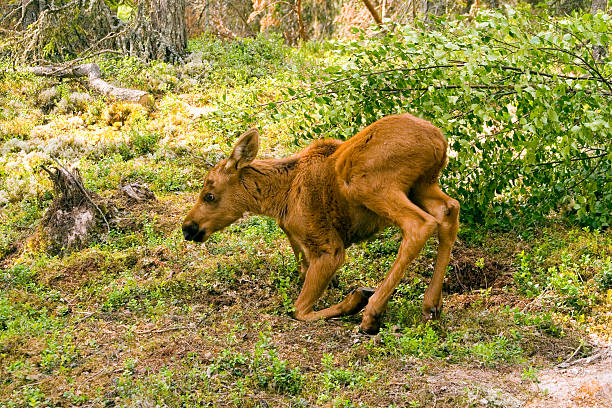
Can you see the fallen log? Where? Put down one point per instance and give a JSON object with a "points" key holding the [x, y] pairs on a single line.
{"points": [[94, 77]]}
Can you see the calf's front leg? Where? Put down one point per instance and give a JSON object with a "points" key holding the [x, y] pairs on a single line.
{"points": [[320, 272]]}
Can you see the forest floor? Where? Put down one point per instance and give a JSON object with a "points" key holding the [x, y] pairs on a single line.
{"points": [[140, 317]]}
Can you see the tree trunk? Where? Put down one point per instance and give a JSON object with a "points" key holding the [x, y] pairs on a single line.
{"points": [[73, 28], [158, 31], [597, 5], [302, 28], [56, 30], [30, 9], [435, 7], [168, 19]]}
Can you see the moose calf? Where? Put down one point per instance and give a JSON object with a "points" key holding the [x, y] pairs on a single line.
{"points": [[333, 194]]}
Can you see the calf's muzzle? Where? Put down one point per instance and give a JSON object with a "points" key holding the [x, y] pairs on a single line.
{"points": [[192, 232]]}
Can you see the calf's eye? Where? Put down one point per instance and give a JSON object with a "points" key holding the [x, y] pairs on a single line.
{"points": [[208, 197]]}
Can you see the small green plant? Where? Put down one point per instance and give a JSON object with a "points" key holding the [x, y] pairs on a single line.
{"points": [[499, 349], [138, 141], [144, 141], [147, 299], [542, 321], [272, 372], [604, 277], [282, 277], [421, 340], [263, 367], [335, 378], [20, 275], [525, 281], [129, 365], [405, 307], [529, 374], [28, 396], [233, 362], [19, 319], [61, 354]]}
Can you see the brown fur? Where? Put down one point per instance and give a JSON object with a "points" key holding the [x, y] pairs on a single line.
{"points": [[333, 194]]}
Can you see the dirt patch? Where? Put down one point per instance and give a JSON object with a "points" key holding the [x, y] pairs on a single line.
{"points": [[585, 384], [478, 387], [473, 268], [497, 298]]}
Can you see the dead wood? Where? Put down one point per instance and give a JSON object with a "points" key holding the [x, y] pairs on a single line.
{"points": [[40, 30], [93, 73], [75, 215], [137, 192]]}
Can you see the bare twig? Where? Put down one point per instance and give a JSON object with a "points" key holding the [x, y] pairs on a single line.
{"points": [[167, 329], [105, 370], [566, 361], [600, 355]]}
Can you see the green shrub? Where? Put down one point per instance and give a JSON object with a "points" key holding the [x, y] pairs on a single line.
{"points": [[144, 141], [421, 340], [542, 321], [263, 367], [488, 85], [28, 396], [61, 353], [498, 349], [526, 282], [335, 378], [236, 62]]}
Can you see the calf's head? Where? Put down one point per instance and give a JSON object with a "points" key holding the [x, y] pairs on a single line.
{"points": [[223, 199]]}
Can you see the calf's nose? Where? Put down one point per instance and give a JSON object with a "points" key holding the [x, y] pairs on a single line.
{"points": [[190, 231]]}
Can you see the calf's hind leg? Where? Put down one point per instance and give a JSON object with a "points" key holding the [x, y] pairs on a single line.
{"points": [[417, 226], [446, 212]]}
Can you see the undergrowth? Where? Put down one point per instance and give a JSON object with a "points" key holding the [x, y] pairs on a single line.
{"points": [[143, 318]]}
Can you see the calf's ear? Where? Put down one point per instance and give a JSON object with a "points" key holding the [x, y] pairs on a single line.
{"points": [[244, 151]]}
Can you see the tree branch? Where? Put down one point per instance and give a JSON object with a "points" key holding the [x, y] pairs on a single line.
{"points": [[373, 12]]}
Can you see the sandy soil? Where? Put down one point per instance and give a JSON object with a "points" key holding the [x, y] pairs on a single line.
{"points": [[584, 383]]}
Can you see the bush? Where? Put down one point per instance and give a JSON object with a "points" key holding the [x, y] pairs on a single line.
{"points": [[489, 86], [236, 61]]}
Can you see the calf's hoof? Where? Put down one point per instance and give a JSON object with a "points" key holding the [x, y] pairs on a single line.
{"points": [[356, 300], [432, 313], [370, 325]]}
